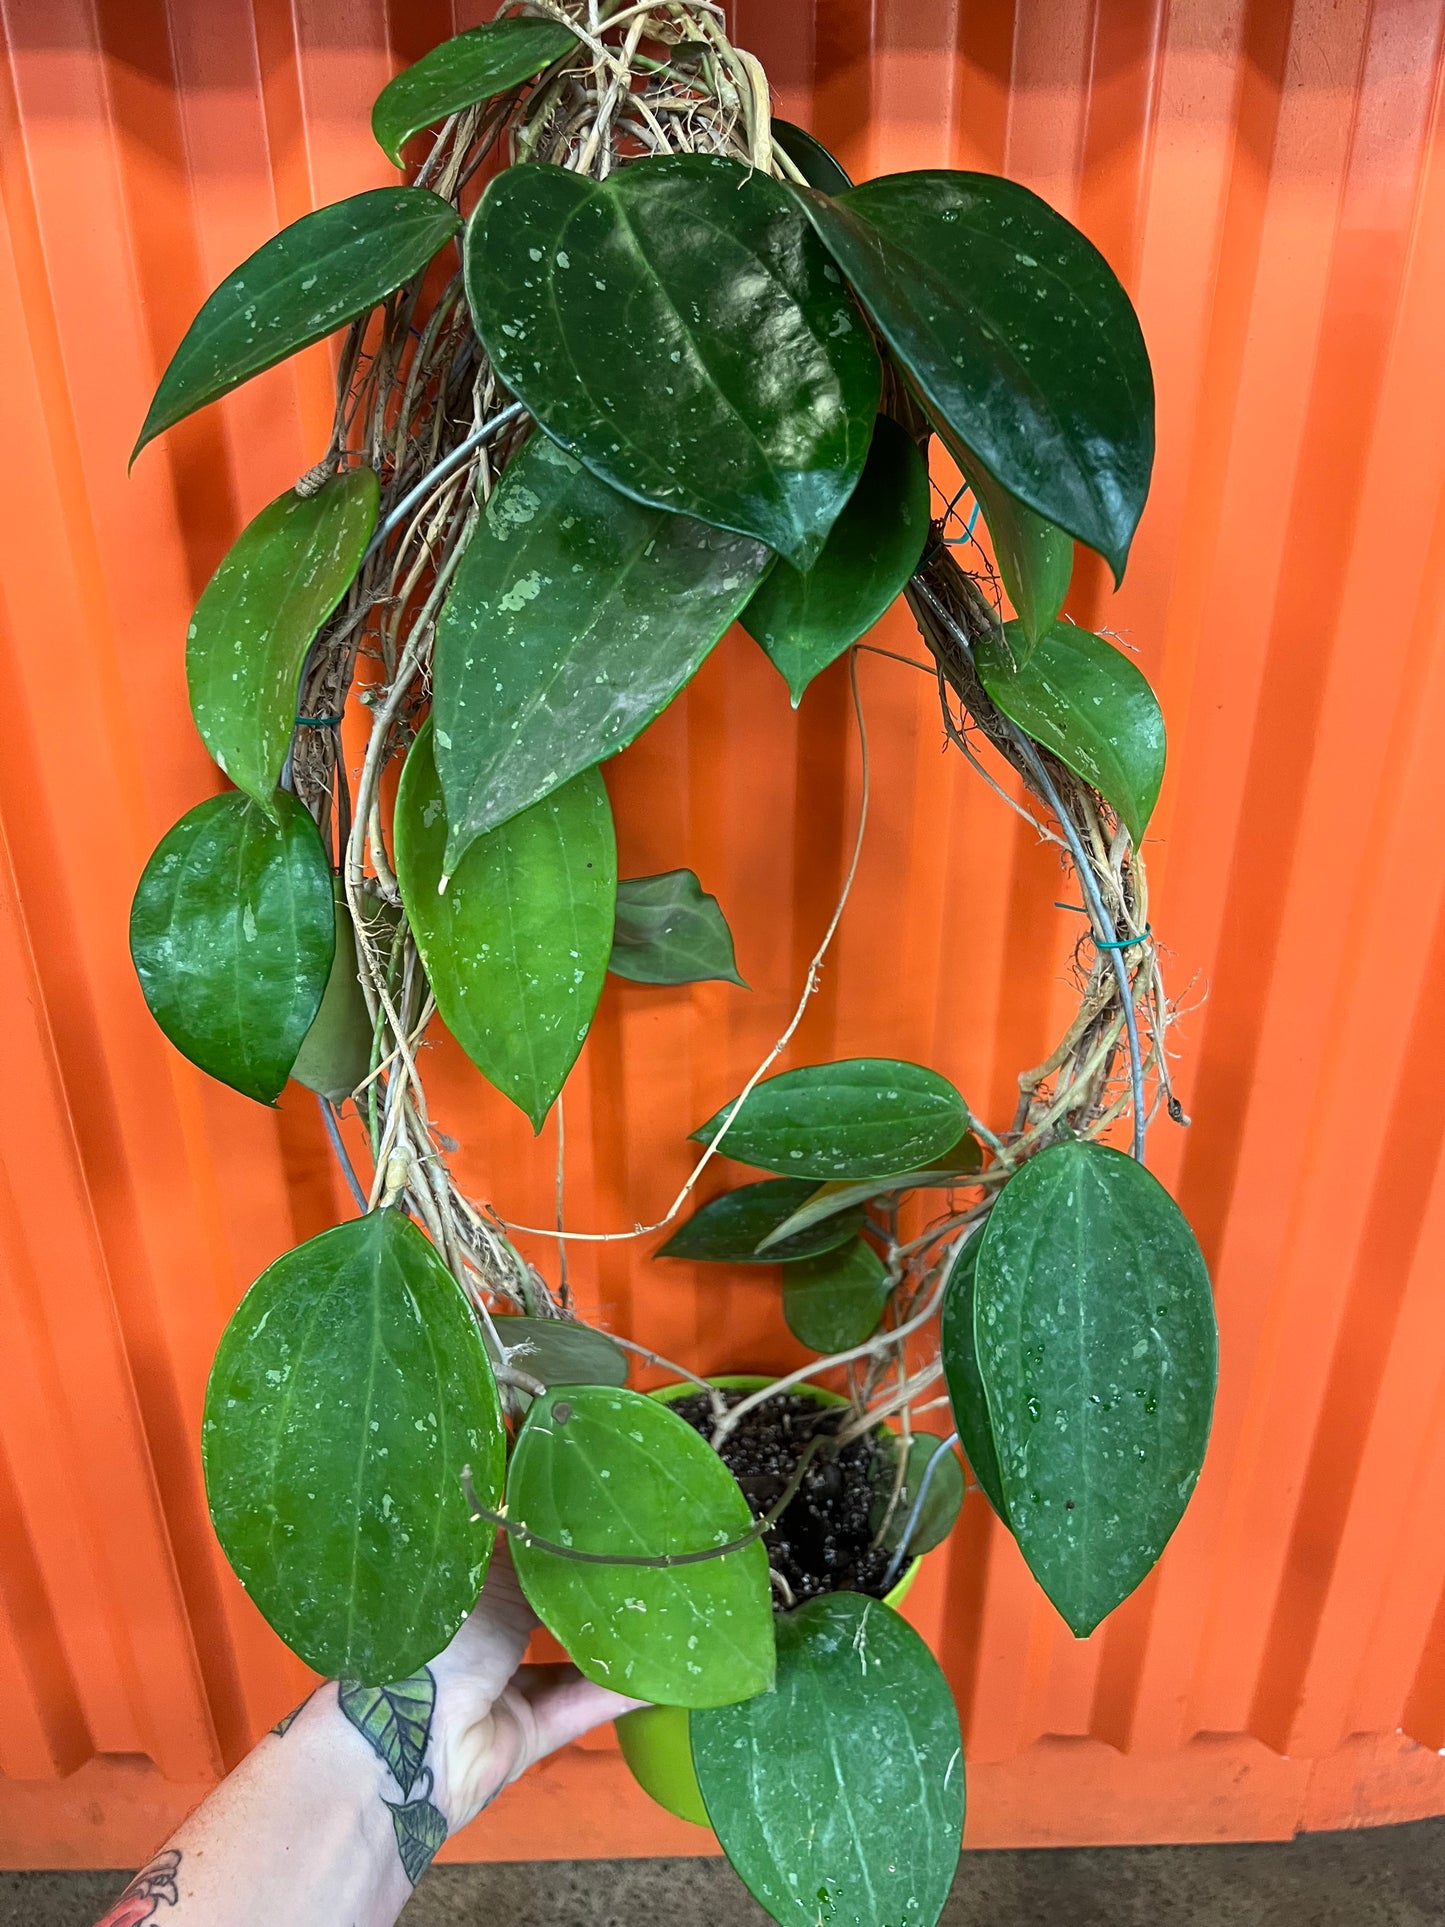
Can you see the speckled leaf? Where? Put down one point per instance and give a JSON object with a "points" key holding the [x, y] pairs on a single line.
{"points": [[576, 615], [680, 329], [614, 1472], [232, 933], [394, 1721], [348, 1392], [559, 1351], [516, 947], [960, 1369], [302, 285], [834, 1302], [1082, 698], [421, 1830], [955, 1166], [462, 72], [1017, 334], [728, 1229], [803, 619], [1096, 1344], [258, 616], [865, 1117], [942, 1500], [839, 1797], [670, 931], [812, 160]]}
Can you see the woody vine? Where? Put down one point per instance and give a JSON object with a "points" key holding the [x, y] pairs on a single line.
{"points": [[628, 360]]}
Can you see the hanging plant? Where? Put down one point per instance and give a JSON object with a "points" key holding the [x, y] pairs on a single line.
{"points": [[668, 369]]}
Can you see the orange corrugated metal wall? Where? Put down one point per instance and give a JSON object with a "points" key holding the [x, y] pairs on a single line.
{"points": [[1270, 182]]}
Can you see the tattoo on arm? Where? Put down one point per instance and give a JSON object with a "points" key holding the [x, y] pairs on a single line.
{"points": [[395, 1721], [152, 1886]]}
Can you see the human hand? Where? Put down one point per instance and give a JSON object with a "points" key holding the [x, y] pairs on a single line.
{"points": [[495, 1717]]}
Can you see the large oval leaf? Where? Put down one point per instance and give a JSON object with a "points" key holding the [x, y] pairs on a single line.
{"points": [[727, 1230], [1096, 1345], [670, 931], [865, 1117], [804, 619], [614, 1472], [462, 72], [1082, 698], [839, 1797], [516, 946], [678, 327], [302, 285], [833, 1302], [575, 616], [1014, 327], [232, 933], [258, 616], [961, 1373], [1035, 560], [559, 1351], [349, 1390]]}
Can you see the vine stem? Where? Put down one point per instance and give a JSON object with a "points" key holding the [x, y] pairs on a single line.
{"points": [[1098, 916]]}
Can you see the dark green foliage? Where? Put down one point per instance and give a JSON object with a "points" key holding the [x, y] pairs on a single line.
{"points": [[349, 1390], [232, 933], [302, 285], [729, 1229], [682, 332]]}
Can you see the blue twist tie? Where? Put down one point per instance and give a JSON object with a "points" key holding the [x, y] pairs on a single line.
{"points": [[316, 722]]}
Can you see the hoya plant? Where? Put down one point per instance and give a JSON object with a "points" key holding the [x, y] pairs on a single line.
{"points": [[626, 361]]}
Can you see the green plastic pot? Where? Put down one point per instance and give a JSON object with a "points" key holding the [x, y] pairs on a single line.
{"points": [[655, 1740]]}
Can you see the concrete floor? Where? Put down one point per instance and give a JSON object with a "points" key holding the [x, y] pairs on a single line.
{"points": [[1385, 1877]]}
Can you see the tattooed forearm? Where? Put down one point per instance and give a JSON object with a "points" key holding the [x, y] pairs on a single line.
{"points": [[395, 1721], [153, 1886]]}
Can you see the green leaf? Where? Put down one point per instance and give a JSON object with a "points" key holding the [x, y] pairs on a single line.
{"points": [[812, 160], [421, 1829], [394, 1721], [614, 1472], [865, 1117], [302, 285], [1096, 1345], [961, 1374], [678, 327], [260, 613], [559, 1351], [804, 620], [728, 1230], [1035, 559], [335, 1054], [574, 618], [462, 72], [670, 931], [349, 1390], [954, 1167], [1083, 699], [516, 946], [838, 1798], [942, 1501], [232, 933], [834, 1302], [1017, 334]]}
